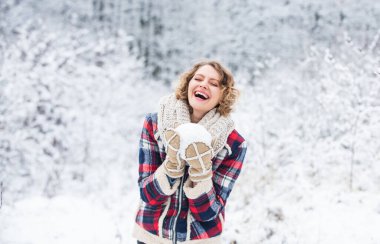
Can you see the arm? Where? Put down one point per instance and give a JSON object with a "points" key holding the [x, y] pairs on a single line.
{"points": [[154, 184], [207, 198]]}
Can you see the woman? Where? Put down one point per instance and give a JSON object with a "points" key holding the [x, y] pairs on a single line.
{"points": [[190, 157]]}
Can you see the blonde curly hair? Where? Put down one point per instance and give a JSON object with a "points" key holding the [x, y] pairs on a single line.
{"points": [[230, 93]]}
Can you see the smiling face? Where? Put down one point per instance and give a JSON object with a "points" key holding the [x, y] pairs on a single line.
{"points": [[204, 91], [215, 85]]}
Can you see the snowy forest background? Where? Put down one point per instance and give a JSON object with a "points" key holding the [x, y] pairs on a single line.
{"points": [[77, 78]]}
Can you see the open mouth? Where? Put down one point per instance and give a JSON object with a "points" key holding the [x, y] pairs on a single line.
{"points": [[201, 95]]}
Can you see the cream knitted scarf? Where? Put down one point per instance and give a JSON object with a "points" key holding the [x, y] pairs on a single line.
{"points": [[174, 112]]}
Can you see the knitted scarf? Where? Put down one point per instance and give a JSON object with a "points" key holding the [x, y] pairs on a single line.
{"points": [[174, 112]]}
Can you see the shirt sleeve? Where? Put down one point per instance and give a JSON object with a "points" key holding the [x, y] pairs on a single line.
{"points": [[154, 184], [208, 198]]}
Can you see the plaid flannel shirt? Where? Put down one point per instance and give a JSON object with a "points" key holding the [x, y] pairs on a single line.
{"points": [[173, 210]]}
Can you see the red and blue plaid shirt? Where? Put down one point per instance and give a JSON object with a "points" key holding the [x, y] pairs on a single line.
{"points": [[169, 209]]}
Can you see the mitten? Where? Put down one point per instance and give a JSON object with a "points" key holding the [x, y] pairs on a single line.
{"points": [[173, 164], [195, 149], [199, 155]]}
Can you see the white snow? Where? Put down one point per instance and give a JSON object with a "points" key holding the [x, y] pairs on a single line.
{"points": [[63, 219], [192, 132]]}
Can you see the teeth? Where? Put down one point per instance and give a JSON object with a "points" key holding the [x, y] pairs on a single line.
{"points": [[200, 93]]}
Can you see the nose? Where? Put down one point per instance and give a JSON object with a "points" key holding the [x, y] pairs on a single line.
{"points": [[203, 87], [203, 84]]}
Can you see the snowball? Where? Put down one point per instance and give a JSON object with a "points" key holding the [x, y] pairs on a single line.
{"points": [[191, 132]]}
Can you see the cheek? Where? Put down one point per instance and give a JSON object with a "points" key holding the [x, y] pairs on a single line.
{"points": [[190, 87], [217, 94]]}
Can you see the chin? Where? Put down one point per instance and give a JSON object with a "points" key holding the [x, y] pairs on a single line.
{"points": [[196, 105]]}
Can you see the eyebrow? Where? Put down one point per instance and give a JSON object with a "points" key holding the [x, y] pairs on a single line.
{"points": [[210, 78]]}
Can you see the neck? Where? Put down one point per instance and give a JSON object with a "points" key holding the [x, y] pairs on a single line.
{"points": [[196, 117]]}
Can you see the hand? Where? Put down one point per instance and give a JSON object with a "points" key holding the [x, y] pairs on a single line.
{"points": [[195, 149], [199, 155], [174, 165]]}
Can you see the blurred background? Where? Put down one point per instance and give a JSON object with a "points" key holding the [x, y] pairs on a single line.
{"points": [[78, 77]]}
